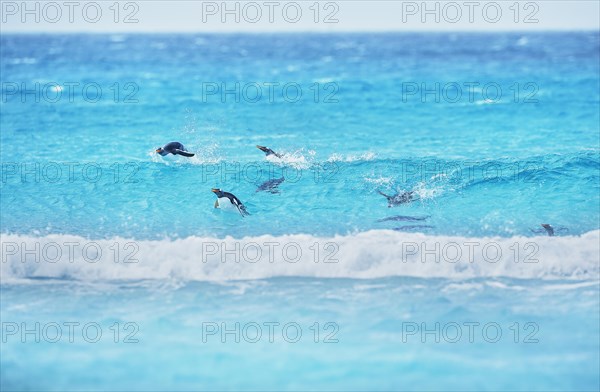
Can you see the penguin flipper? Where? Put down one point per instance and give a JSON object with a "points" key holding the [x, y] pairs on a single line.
{"points": [[217, 203], [242, 210], [384, 195], [184, 153]]}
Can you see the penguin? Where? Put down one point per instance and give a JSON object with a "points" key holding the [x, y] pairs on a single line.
{"points": [[398, 199], [271, 185], [268, 151], [402, 218], [174, 148], [224, 197], [413, 228], [549, 229]]}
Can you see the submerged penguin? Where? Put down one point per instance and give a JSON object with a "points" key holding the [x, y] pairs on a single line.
{"points": [[268, 151], [174, 148], [402, 218], [271, 185], [413, 228], [401, 198], [224, 197], [550, 230]]}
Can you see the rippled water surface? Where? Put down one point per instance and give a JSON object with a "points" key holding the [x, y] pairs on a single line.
{"points": [[491, 135]]}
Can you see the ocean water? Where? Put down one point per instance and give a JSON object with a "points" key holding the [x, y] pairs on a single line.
{"points": [[460, 289]]}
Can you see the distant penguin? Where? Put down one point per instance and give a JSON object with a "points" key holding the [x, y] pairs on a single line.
{"points": [[398, 199], [174, 148], [549, 229], [413, 228], [268, 151], [402, 218], [225, 197]]}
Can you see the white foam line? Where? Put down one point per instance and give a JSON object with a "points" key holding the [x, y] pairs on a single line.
{"points": [[366, 255]]}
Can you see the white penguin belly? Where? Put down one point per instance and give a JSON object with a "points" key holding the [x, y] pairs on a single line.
{"points": [[225, 204]]}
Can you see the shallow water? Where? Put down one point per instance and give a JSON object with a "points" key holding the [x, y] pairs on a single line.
{"points": [[491, 334]]}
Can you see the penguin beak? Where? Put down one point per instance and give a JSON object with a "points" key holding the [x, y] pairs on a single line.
{"points": [[261, 148], [214, 190], [158, 150]]}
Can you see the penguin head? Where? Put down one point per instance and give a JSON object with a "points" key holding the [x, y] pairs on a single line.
{"points": [[263, 149], [217, 192], [161, 151]]}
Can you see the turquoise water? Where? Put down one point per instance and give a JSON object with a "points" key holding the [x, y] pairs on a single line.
{"points": [[96, 227], [371, 351]]}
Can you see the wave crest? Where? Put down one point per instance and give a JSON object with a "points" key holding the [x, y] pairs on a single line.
{"points": [[372, 254]]}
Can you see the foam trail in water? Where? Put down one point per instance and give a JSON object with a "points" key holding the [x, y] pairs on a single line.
{"points": [[299, 159], [367, 156]]}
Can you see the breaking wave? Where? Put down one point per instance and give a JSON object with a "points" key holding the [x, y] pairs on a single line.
{"points": [[366, 255]]}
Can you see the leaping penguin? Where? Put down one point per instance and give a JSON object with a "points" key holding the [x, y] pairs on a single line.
{"points": [[174, 148], [224, 197], [268, 151]]}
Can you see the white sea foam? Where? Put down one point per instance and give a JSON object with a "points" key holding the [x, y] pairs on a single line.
{"points": [[367, 156], [381, 180], [300, 159], [372, 254]]}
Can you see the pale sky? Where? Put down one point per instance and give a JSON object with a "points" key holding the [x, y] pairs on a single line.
{"points": [[296, 16]]}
